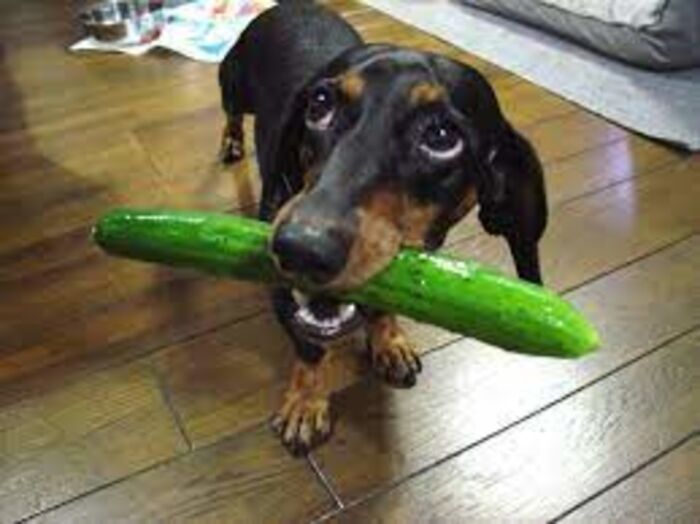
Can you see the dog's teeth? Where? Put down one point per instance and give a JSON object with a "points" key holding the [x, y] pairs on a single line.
{"points": [[346, 312], [328, 326], [300, 298], [307, 316]]}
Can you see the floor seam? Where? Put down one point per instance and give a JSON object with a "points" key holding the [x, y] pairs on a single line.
{"points": [[631, 473], [390, 486], [170, 405], [648, 254], [326, 482], [136, 473], [99, 488]]}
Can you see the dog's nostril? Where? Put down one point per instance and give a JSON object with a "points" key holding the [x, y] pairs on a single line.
{"points": [[308, 252]]}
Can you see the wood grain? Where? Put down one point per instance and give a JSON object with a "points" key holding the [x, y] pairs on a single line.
{"points": [[85, 434], [545, 465], [80, 134], [100, 311], [69, 150], [184, 150], [588, 172], [588, 236], [250, 479], [668, 490], [469, 391], [232, 379]]}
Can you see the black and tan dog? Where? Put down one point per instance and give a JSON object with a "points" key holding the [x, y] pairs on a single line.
{"points": [[363, 149]]}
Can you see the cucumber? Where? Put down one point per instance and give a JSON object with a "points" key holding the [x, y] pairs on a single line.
{"points": [[462, 296]]}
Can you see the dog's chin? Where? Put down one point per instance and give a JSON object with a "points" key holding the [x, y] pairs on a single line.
{"points": [[321, 319]]}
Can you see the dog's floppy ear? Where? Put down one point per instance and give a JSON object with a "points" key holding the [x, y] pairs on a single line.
{"points": [[278, 154], [508, 177], [511, 193]]}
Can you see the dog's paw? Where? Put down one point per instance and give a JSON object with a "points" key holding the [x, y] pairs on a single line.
{"points": [[393, 357], [303, 423], [231, 150]]}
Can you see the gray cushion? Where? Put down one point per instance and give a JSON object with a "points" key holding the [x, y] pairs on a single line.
{"points": [[656, 34]]}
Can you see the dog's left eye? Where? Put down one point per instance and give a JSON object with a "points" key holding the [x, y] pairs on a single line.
{"points": [[320, 109], [441, 140]]}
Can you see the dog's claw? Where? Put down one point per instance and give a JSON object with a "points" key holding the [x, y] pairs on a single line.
{"points": [[303, 423]]}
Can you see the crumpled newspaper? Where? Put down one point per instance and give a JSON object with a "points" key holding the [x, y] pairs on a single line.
{"points": [[202, 30]]}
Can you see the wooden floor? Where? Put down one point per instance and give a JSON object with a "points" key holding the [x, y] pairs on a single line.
{"points": [[132, 393]]}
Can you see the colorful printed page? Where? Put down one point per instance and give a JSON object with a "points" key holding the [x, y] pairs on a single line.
{"points": [[202, 30]]}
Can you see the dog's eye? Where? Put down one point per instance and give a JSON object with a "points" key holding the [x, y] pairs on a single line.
{"points": [[320, 109], [441, 140]]}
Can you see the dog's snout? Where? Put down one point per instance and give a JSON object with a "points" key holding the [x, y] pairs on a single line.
{"points": [[309, 252]]}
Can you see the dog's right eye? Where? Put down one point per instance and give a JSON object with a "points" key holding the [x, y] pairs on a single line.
{"points": [[320, 109]]}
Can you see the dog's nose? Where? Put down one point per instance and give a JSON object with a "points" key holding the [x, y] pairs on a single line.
{"points": [[308, 252]]}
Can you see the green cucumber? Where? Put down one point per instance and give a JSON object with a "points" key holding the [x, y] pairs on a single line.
{"points": [[462, 296]]}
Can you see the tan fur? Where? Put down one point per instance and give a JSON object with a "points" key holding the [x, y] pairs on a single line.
{"points": [[393, 356], [352, 85], [425, 93], [416, 222], [377, 241], [386, 221], [310, 174], [280, 218], [286, 210], [468, 202], [304, 418]]}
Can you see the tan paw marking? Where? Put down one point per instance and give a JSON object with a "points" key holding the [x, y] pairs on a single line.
{"points": [[302, 423], [393, 356]]}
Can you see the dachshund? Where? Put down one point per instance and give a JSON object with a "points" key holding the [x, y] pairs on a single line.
{"points": [[363, 149]]}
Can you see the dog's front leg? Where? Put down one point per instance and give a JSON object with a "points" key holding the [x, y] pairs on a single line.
{"points": [[304, 420], [394, 358]]}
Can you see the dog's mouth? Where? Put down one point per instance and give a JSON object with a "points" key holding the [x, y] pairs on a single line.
{"points": [[322, 319]]}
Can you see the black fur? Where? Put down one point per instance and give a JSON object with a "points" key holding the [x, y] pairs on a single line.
{"points": [[372, 144]]}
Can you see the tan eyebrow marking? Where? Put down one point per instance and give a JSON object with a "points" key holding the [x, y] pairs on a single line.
{"points": [[352, 84], [425, 93]]}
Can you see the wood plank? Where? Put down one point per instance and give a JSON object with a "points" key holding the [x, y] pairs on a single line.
{"points": [[248, 479], [569, 134], [592, 235], [540, 468], [241, 380], [375, 26], [185, 151], [668, 490], [594, 169], [64, 176], [469, 391], [84, 434], [124, 318], [525, 104], [93, 131], [590, 171], [44, 198]]}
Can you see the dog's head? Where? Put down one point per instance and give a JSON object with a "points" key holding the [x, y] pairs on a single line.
{"points": [[389, 148]]}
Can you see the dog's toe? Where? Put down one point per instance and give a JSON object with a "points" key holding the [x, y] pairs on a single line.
{"points": [[395, 361], [302, 423]]}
